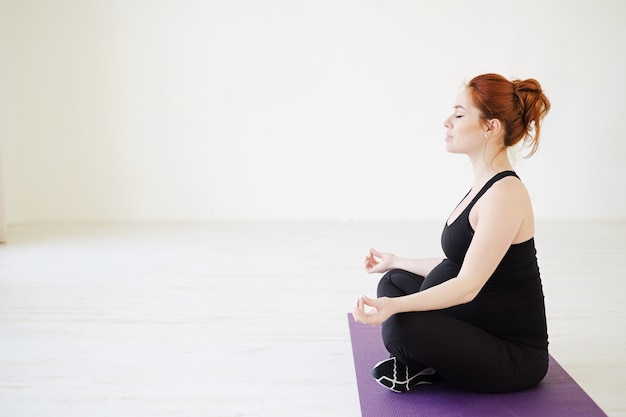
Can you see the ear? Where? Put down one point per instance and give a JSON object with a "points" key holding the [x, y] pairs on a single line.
{"points": [[492, 127]]}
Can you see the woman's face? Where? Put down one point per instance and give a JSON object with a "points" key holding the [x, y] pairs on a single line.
{"points": [[465, 131]]}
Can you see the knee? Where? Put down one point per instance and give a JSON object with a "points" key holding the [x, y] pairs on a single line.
{"points": [[401, 335], [391, 330], [386, 286], [399, 327], [410, 328], [383, 284]]}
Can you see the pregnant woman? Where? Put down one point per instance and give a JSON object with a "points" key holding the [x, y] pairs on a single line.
{"points": [[477, 317]]}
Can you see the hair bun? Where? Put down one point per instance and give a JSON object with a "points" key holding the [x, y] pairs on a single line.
{"points": [[529, 85], [534, 105], [519, 104]]}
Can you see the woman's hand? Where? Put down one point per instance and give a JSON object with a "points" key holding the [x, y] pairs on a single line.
{"points": [[378, 261], [379, 310]]}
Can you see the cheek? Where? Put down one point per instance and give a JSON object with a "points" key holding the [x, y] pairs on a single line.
{"points": [[466, 128], [460, 128]]}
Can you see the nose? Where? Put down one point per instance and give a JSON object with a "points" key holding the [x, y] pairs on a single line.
{"points": [[446, 123]]}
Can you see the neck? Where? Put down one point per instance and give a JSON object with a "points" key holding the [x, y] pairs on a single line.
{"points": [[486, 166]]}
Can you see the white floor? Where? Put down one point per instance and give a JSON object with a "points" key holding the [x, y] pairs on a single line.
{"points": [[226, 320]]}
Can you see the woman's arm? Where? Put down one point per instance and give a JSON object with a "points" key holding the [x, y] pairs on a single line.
{"points": [[499, 217], [382, 262]]}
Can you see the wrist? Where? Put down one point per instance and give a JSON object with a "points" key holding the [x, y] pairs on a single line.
{"points": [[403, 304], [393, 262], [397, 305]]}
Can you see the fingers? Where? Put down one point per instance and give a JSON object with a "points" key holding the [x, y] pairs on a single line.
{"points": [[360, 305], [359, 313], [370, 302], [369, 265], [370, 261]]}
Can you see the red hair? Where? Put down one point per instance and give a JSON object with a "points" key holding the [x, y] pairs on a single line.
{"points": [[520, 105]]}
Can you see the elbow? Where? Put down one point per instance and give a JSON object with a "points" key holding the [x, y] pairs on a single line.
{"points": [[469, 293], [468, 286], [468, 298]]}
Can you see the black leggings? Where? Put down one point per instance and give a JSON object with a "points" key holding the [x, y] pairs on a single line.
{"points": [[461, 353]]}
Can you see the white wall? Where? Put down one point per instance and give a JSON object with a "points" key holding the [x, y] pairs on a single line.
{"points": [[321, 109]]}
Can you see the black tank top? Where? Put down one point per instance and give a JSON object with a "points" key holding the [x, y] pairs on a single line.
{"points": [[511, 304]]}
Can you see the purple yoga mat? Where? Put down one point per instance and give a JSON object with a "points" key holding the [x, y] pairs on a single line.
{"points": [[557, 395]]}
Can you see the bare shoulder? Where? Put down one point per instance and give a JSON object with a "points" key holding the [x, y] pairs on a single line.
{"points": [[508, 188], [507, 205]]}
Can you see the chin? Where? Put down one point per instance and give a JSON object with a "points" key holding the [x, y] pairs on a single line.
{"points": [[455, 152], [450, 148]]}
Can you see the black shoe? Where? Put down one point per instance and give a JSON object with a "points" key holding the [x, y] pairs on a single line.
{"points": [[397, 377]]}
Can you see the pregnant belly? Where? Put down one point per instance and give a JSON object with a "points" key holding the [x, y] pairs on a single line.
{"points": [[441, 273]]}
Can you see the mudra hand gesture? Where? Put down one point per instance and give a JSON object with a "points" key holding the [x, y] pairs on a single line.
{"points": [[378, 261]]}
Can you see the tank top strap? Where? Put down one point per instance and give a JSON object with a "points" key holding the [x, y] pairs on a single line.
{"points": [[489, 183]]}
